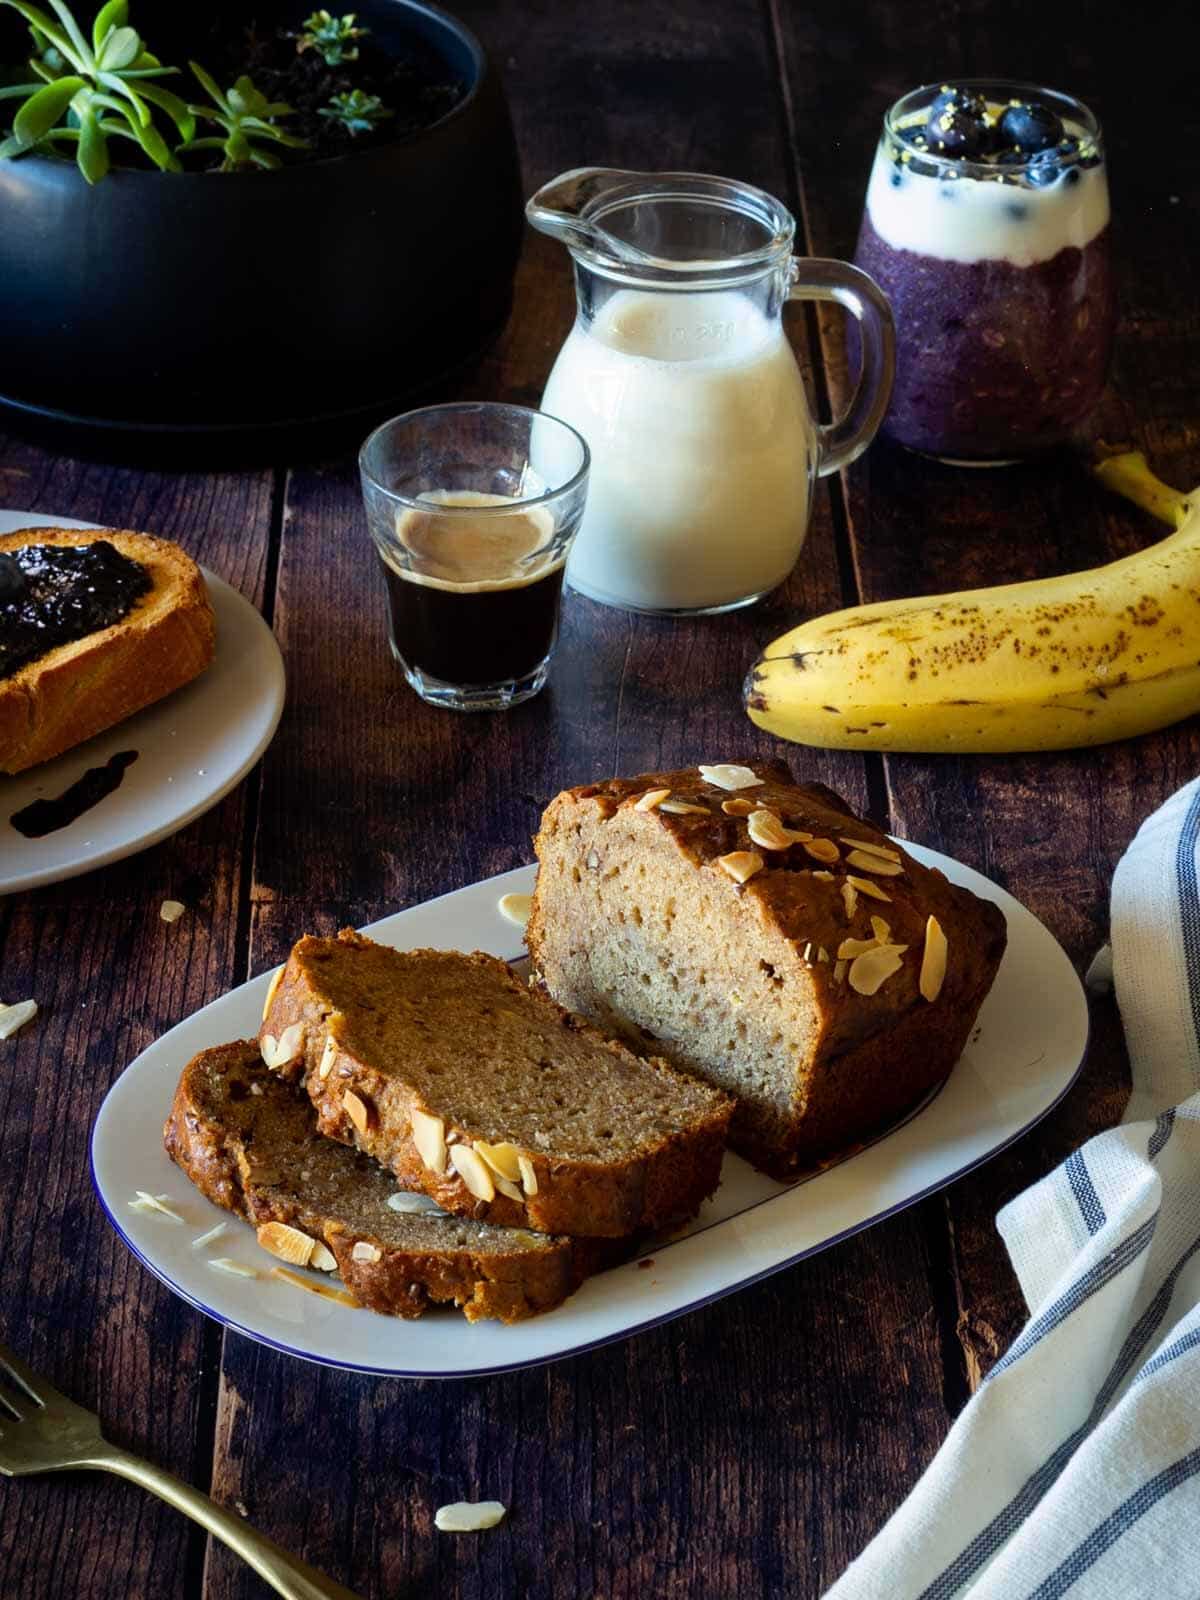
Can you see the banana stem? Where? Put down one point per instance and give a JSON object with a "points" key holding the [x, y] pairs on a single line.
{"points": [[1129, 474]]}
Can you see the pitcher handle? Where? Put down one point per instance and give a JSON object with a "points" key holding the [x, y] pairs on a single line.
{"points": [[844, 440]]}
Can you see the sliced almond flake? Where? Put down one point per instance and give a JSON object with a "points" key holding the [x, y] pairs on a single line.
{"points": [[728, 775], [468, 1516], [171, 910], [874, 849], [358, 1109], [213, 1234], [865, 886], [651, 799], [823, 876], [279, 1052], [529, 1180], [506, 1187], [740, 865], [876, 864], [839, 971], [850, 948], [342, 1296], [515, 908], [881, 929], [766, 830], [235, 1269], [429, 1136], [287, 1243], [822, 850], [415, 1205], [16, 1016], [850, 899], [322, 1258], [807, 949], [328, 1057], [502, 1158], [822, 953], [272, 990], [154, 1202], [365, 1251], [473, 1172], [684, 808], [869, 972], [933, 960], [738, 808]]}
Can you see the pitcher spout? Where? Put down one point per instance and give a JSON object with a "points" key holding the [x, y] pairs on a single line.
{"points": [[558, 207]]}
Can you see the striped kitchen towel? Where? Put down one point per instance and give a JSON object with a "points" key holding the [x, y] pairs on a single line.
{"points": [[1075, 1469]]}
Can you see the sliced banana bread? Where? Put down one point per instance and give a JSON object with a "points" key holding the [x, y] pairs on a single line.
{"points": [[486, 1095], [249, 1142], [756, 933]]}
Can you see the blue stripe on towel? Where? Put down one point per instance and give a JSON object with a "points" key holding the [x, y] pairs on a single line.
{"points": [[1163, 1129], [1093, 1280], [1105, 1534], [1085, 1194], [1171, 1352]]}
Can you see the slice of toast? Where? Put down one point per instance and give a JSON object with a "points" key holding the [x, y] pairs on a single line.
{"points": [[490, 1097], [249, 1143], [79, 689]]}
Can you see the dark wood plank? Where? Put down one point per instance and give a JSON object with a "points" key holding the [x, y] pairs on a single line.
{"points": [[650, 1467], [1049, 827], [109, 977]]}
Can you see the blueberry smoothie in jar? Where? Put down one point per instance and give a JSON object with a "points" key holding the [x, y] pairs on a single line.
{"points": [[987, 226]]}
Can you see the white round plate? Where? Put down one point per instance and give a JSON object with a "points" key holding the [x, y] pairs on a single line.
{"points": [[1024, 1055], [192, 748]]}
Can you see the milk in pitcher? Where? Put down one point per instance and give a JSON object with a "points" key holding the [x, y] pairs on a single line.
{"points": [[703, 450]]}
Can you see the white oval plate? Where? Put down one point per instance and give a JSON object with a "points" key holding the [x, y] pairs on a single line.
{"points": [[1023, 1057], [192, 748]]}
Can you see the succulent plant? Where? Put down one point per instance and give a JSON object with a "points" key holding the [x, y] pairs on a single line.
{"points": [[92, 90], [246, 116], [356, 112], [331, 37]]}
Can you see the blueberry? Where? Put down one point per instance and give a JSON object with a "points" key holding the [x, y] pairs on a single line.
{"points": [[1030, 126], [958, 133], [1047, 166], [12, 579], [953, 98]]}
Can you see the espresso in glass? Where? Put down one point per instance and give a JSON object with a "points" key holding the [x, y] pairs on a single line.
{"points": [[477, 599]]}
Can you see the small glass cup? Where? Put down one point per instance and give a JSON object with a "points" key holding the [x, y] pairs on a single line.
{"points": [[995, 256], [472, 509]]}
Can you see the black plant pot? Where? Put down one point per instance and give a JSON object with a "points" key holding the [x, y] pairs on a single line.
{"points": [[211, 305]]}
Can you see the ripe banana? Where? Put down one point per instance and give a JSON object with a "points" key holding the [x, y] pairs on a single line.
{"points": [[1046, 665]]}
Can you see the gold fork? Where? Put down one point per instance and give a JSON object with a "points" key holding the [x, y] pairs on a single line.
{"points": [[42, 1431]]}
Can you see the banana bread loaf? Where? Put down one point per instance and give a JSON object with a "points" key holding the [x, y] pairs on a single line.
{"points": [[487, 1096], [249, 1142], [758, 934]]}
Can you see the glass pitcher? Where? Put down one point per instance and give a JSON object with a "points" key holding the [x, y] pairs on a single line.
{"points": [[680, 377]]}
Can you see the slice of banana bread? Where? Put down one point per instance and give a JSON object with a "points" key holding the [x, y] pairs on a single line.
{"points": [[488, 1096], [249, 1142], [757, 933]]}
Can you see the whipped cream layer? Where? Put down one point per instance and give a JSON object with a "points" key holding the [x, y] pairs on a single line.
{"points": [[982, 219]]}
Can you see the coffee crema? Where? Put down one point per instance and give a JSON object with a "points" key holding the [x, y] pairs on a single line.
{"points": [[474, 598]]}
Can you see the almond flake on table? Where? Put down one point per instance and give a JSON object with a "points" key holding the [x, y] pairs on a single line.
{"points": [[171, 910], [469, 1516], [16, 1016]]}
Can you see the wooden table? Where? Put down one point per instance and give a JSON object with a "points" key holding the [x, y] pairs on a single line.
{"points": [[753, 1447]]}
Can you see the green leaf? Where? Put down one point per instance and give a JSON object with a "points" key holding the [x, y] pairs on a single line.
{"points": [[121, 49], [43, 109], [92, 155], [45, 71], [10, 147], [114, 15], [177, 109], [263, 158], [15, 90], [155, 146], [71, 29], [209, 84], [246, 100], [113, 81]]}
